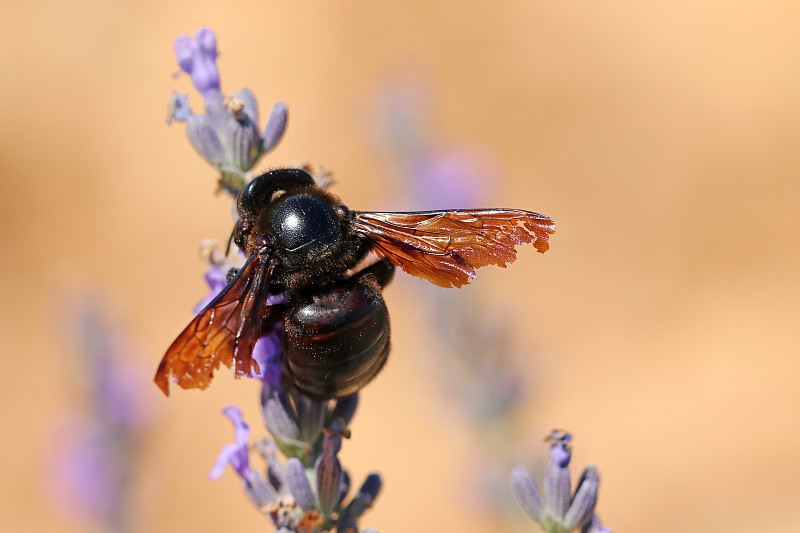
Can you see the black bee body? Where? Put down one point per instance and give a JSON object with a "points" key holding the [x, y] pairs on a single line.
{"points": [[336, 338], [336, 329], [300, 240]]}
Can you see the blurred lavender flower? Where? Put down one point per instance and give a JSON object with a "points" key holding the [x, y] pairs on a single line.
{"points": [[92, 458], [555, 507], [479, 365], [227, 136]]}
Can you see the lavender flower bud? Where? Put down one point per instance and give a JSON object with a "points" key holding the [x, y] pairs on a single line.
{"points": [[311, 417], [345, 408], [527, 493], [281, 421], [361, 501], [298, 484], [276, 125], [557, 489], [259, 491], [582, 505], [275, 469], [329, 479], [242, 135], [594, 525]]}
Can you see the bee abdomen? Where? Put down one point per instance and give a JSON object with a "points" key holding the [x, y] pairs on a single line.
{"points": [[337, 342]]}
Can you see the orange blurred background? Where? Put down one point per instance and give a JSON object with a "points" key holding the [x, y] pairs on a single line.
{"points": [[661, 136]]}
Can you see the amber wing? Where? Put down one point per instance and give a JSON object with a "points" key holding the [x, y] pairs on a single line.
{"points": [[224, 332], [445, 247]]}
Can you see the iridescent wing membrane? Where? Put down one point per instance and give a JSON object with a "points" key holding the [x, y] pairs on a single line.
{"points": [[445, 247], [224, 332]]}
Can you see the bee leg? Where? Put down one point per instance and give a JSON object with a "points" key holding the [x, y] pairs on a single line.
{"points": [[273, 314], [383, 271], [231, 273]]}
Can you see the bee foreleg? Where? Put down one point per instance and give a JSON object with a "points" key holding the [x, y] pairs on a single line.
{"points": [[383, 271]]}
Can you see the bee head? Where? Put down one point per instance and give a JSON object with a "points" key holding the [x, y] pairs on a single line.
{"points": [[261, 190]]}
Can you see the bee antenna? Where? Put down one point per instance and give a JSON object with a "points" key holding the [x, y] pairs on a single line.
{"points": [[230, 241]]}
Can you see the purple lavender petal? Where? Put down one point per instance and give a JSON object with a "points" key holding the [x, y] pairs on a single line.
{"points": [[298, 484], [582, 505], [198, 58], [560, 451], [226, 455], [527, 493], [276, 125], [560, 456], [184, 52], [217, 279], [178, 108], [557, 487], [267, 353], [242, 430], [237, 455]]}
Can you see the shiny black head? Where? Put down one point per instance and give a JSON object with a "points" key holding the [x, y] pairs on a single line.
{"points": [[257, 194]]}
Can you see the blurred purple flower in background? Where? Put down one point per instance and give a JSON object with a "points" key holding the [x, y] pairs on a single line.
{"points": [[555, 507], [477, 361], [93, 453]]}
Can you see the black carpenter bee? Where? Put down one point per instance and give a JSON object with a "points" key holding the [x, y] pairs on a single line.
{"points": [[299, 239]]}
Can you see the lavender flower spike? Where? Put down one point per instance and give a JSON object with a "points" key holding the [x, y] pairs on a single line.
{"points": [[227, 136], [553, 508]]}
